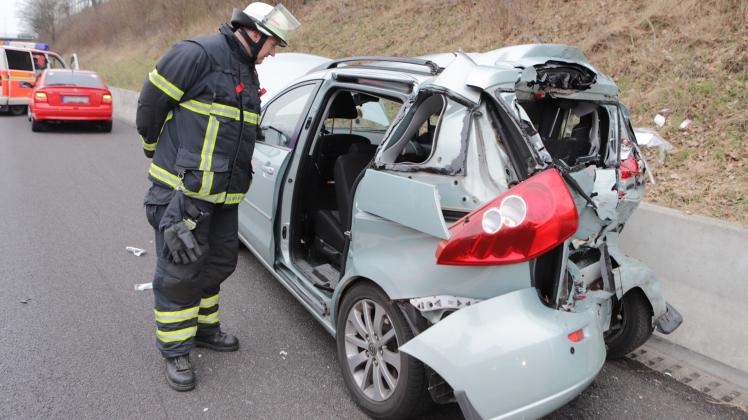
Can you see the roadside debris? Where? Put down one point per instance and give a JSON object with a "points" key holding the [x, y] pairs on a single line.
{"points": [[685, 124], [283, 354], [143, 286], [135, 251], [651, 138], [25, 301], [659, 120]]}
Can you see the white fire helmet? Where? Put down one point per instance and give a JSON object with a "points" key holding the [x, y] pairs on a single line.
{"points": [[276, 22]]}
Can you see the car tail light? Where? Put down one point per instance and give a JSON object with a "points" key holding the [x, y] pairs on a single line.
{"points": [[526, 221], [40, 97], [577, 336], [629, 168], [106, 99]]}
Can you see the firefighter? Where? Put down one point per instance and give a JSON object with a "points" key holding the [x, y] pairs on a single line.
{"points": [[197, 118]]}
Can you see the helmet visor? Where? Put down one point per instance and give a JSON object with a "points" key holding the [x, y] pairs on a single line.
{"points": [[281, 23]]}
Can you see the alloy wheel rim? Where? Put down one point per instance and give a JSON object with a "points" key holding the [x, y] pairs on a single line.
{"points": [[371, 348]]}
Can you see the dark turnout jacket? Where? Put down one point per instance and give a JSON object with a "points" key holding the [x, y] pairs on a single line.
{"points": [[197, 117]]}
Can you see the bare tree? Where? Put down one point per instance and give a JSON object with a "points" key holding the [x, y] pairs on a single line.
{"points": [[45, 16]]}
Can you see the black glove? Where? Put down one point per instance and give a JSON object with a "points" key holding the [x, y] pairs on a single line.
{"points": [[180, 218], [182, 244]]}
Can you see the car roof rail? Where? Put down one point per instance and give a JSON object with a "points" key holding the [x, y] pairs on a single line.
{"points": [[434, 68]]}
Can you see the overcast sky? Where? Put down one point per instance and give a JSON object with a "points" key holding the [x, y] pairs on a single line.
{"points": [[9, 23]]}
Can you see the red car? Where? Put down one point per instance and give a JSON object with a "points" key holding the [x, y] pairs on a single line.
{"points": [[70, 95]]}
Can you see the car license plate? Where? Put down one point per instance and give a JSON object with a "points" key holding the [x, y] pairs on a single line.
{"points": [[75, 99]]}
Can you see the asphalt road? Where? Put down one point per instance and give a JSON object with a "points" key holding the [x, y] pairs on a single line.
{"points": [[82, 346]]}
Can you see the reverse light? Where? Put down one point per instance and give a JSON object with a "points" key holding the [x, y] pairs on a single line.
{"points": [[40, 97], [106, 99], [525, 222], [577, 336]]}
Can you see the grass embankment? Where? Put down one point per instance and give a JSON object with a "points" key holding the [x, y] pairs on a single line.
{"points": [[689, 56]]}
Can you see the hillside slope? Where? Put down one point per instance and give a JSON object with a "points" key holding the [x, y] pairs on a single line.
{"points": [[689, 56]]}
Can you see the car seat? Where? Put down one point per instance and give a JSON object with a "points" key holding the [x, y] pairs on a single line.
{"points": [[330, 225]]}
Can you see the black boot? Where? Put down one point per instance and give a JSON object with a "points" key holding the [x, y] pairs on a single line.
{"points": [[218, 341], [179, 373]]}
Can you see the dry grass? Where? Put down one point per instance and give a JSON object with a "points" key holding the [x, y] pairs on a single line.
{"points": [[690, 56]]}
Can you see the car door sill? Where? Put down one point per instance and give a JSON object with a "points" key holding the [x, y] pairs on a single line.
{"points": [[316, 307]]}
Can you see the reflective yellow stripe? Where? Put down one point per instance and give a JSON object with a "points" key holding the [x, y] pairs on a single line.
{"points": [[234, 198], [169, 317], [209, 144], [164, 85], [173, 181], [219, 110], [209, 301], [208, 319], [164, 176], [179, 335], [169, 116], [196, 106], [148, 146]]}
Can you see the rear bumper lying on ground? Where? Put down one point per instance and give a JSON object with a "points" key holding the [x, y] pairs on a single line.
{"points": [[511, 356]]}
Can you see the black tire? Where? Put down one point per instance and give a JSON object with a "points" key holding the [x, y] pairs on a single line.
{"points": [[636, 326], [410, 396], [106, 126], [18, 110], [37, 126]]}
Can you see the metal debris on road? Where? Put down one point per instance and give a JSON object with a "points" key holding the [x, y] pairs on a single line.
{"points": [[205, 409], [25, 301], [143, 286], [283, 354], [135, 251]]}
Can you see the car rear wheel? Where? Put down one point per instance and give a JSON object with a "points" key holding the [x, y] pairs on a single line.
{"points": [[106, 126], [37, 126], [383, 381], [633, 328], [18, 109]]}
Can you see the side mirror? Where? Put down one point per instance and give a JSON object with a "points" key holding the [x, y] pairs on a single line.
{"points": [[27, 85]]}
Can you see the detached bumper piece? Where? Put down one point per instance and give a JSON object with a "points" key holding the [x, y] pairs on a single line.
{"points": [[669, 321], [511, 356]]}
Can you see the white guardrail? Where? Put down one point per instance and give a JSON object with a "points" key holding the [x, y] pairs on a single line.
{"points": [[702, 263]]}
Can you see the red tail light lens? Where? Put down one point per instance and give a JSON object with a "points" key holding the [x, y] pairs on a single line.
{"points": [[40, 97], [576, 336], [528, 220], [629, 168]]}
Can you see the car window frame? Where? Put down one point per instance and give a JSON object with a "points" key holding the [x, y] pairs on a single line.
{"points": [[332, 86], [316, 83]]}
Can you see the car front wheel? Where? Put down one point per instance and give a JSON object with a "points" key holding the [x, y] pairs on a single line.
{"points": [[383, 381]]}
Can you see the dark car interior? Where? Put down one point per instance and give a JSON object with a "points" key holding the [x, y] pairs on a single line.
{"points": [[327, 175], [574, 132]]}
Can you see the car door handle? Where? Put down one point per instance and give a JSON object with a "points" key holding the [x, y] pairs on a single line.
{"points": [[268, 170]]}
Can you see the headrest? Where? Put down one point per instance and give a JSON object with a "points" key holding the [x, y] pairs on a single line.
{"points": [[343, 107]]}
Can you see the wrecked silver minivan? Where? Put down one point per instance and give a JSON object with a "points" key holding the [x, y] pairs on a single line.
{"points": [[453, 221]]}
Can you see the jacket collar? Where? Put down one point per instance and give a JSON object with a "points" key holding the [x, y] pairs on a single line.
{"points": [[236, 47]]}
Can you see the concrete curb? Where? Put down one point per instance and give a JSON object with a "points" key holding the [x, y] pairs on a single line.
{"points": [[702, 262], [703, 266]]}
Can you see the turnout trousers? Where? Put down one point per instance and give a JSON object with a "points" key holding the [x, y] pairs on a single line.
{"points": [[187, 295]]}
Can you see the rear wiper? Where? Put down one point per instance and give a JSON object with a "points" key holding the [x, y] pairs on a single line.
{"points": [[566, 174]]}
